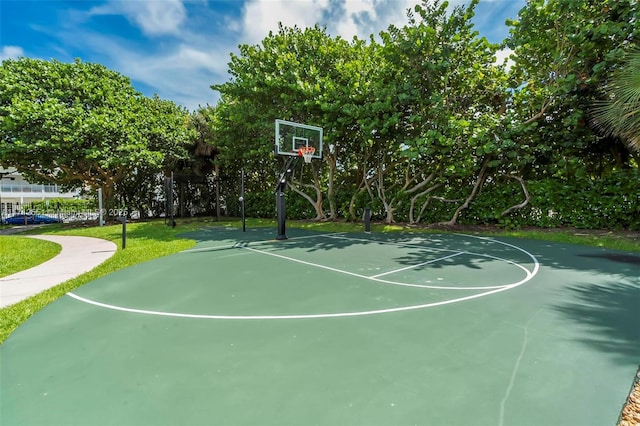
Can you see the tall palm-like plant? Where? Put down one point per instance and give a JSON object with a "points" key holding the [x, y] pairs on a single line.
{"points": [[619, 115]]}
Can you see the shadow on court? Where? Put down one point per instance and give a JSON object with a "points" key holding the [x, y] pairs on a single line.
{"points": [[610, 310], [328, 329], [217, 238], [622, 258]]}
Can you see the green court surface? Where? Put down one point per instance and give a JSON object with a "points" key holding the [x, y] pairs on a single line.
{"points": [[336, 329]]}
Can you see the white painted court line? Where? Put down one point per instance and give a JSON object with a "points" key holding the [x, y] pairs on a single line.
{"points": [[491, 290], [284, 317], [366, 277], [418, 265], [77, 256], [304, 262]]}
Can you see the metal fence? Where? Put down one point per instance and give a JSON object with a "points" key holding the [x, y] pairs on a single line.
{"points": [[64, 216], [70, 215]]}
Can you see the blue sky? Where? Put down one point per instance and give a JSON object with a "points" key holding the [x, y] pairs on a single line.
{"points": [[178, 48]]}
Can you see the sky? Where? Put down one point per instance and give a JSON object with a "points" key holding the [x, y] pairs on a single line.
{"points": [[178, 48]]}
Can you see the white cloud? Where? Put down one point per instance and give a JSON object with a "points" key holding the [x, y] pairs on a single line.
{"points": [[344, 18], [11, 52], [365, 17], [159, 17], [262, 16], [183, 74], [503, 57], [195, 57], [179, 69], [232, 25], [196, 42]]}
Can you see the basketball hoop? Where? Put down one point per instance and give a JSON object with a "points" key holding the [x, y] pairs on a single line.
{"points": [[306, 152]]}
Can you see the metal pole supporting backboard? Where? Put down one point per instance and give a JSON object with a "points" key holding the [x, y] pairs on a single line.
{"points": [[281, 210], [293, 140], [281, 207]]}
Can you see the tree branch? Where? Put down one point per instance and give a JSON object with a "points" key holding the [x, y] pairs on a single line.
{"points": [[474, 191], [527, 197]]}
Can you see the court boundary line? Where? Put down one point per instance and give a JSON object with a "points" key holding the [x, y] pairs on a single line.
{"points": [[295, 316], [529, 276]]}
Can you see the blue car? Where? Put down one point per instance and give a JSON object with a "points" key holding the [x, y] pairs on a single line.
{"points": [[30, 219]]}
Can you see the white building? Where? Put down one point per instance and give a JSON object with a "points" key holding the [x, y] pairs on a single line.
{"points": [[15, 192]]}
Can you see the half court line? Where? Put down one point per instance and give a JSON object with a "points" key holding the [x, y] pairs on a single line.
{"points": [[417, 265], [304, 262]]}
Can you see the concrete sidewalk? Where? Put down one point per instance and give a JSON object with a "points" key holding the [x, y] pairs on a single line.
{"points": [[78, 255]]}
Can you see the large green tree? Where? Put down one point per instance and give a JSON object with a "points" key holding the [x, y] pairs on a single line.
{"points": [[397, 114], [422, 117], [83, 125], [435, 85], [565, 52], [168, 133]]}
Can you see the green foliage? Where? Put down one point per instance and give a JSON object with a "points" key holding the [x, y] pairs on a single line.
{"points": [[423, 125], [612, 202], [82, 125], [423, 117], [301, 75], [433, 110], [565, 52]]}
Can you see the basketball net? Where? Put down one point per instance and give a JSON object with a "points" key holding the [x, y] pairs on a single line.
{"points": [[307, 153]]}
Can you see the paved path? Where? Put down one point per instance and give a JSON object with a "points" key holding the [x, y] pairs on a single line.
{"points": [[78, 255]]}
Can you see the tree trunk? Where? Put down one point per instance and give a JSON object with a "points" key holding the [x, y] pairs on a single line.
{"points": [[479, 181], [317, 203], [527, 197], [415, 198], [331, 191]]}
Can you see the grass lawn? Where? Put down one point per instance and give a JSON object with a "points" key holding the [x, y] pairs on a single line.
{"points": [[153, 239], [20, 253]]}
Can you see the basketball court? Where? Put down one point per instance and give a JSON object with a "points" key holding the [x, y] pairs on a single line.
{"points": [[343, 328]]}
